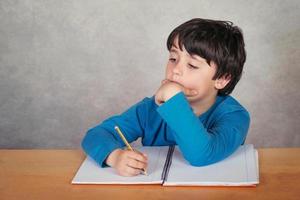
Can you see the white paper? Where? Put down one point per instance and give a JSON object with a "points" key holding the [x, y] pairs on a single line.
{"points": [[91, 173], [239, 169]]}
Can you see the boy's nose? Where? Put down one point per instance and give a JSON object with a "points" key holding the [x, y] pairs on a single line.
{"points": [[177, 70]]}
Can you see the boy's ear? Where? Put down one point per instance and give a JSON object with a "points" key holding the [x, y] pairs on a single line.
{"points": [[220, 83]]}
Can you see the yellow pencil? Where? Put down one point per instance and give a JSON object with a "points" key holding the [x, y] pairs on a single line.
{"points": [[127, 144]]}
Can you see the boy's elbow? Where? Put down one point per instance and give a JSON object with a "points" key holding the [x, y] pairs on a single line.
{"points": [[84, 143], [204, 160], [87, 142], [199, 162]]}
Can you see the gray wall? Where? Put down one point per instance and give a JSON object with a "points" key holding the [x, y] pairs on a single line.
{"points": [[67, 65]]}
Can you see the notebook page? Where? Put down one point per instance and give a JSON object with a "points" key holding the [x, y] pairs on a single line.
{"points": [[257, 165], [239, 169], [252, 165], [91, 173]]}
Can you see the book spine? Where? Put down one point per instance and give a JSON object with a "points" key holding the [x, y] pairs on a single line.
{"points": [[168, 163]]}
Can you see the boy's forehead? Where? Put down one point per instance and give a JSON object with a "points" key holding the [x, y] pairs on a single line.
{"points": [[175, 48]]}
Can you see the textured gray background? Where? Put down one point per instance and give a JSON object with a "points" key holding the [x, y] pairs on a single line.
{"points": [[67, 65]]}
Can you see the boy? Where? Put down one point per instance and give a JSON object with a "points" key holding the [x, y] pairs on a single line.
{"points": [[192, 108]]}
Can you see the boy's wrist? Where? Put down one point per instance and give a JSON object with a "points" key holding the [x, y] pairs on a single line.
{"points": [[112, 157], [172, 94]]}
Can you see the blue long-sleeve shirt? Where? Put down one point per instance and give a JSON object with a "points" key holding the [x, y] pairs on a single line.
{"points": [[203, 140]]}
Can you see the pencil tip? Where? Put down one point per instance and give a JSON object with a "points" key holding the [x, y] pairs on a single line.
{"points": [[145, 172]]}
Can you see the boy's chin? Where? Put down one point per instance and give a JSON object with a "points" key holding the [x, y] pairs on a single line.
{"points": [[191, 98], [194, 99]]}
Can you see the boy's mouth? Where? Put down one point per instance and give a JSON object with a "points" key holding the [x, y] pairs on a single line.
{"points": [[174, 81], [177, 83]]}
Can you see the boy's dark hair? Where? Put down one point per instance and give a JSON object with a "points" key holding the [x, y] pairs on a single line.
{"points": [[217, 41]]}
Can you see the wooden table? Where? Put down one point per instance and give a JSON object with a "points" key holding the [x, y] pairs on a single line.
{"points": [[47, 174]]}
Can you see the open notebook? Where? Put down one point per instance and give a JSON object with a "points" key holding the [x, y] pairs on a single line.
{"points": [[166, 166]]}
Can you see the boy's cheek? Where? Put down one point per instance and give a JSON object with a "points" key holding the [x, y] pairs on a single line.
{"points": [[191, 85]]}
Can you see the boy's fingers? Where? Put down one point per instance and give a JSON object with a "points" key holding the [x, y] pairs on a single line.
{"points": [[136, 164], [188, 92], [138, 156], [142, 154], [130, 171]]}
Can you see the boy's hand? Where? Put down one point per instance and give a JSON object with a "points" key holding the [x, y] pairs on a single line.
{"points": [[168, 89], [127, 162]]}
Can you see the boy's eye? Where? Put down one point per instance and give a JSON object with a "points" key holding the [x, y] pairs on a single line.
{"points": [[189, 65], [192, 66]]}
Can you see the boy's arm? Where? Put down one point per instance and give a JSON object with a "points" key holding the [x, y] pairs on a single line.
{"points": [[198, 145], [101, 140]]}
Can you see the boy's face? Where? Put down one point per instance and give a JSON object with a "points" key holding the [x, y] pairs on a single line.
{"points": [[191, 71]]}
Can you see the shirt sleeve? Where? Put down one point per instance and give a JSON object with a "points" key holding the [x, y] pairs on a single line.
{"points": [[201, 146], [101, 140]]}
